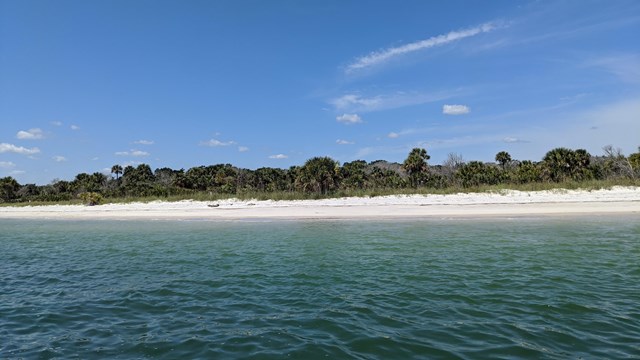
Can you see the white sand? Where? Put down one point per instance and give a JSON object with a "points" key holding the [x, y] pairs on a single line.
{"points": [[619, 200]]}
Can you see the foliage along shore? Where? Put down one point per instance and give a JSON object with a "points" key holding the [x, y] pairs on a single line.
{"points": [[323, 177]]}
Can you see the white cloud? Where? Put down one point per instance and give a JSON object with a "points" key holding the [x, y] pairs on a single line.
{"points": [[278, 156], [31, 134], [243, 149], [393, 135], [74, 127], [144, 142], [510, 140], [455, 109], [349, 118], [4, 147], [358, 103], [17, 172], [379, 57], [56, 123], [132, 152], [350, 100], [344, 142], [59, 158], [6, 164], [216, 143]]}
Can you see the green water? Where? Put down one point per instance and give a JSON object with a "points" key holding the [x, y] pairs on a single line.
{"points": [[519, 288]]}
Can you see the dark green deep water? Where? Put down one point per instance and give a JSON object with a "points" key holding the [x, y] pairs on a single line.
{"points": [[519, 288]]}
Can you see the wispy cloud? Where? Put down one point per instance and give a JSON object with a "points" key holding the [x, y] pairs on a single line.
{"points": [[31, 134], [359, 103], [382, 56], [144, 142], [626, 67], [132, 152], [455, 109], [344, 142], [6, 164], [74, 127], [243, 149], [59, 158], [352, 100], [56, 123], [278, 156], [4, 147], [393, 135], [511, 140], [217, 143], [349, 118]]}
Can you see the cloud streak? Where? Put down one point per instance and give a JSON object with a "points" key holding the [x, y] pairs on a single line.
{"points": [[31, 134], [625, 67], [132, 153], [217, 143], [4, 147], [455, 109], [278, 156], [512, 140], [385, 55], [349, 119], [144, 142], [344, 142], [359, 103]]}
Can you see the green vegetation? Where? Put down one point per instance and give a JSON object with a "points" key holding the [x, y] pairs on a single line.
{"points": [[91, 198], [322, 177]]}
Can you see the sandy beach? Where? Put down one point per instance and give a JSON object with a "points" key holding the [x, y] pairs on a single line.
{"points": [[618, 200]]}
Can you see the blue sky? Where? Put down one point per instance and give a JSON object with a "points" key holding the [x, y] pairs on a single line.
{"points": [[85, 85]]}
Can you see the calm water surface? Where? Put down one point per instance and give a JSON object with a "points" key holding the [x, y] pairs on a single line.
{"points": [[519, 288]]}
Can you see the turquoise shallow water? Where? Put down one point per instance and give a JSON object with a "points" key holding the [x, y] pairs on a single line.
{"points": [[519, 288]]}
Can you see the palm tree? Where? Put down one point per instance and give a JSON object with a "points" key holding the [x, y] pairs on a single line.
{"points": [[503, 158], [562, 164], [319, 175], [416, 165], [116, 169]]}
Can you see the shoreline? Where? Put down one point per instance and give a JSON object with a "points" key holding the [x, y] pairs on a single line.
{"points": [[508, 203]]}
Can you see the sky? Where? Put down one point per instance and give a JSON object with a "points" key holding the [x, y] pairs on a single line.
{"points": [[85, 85]]}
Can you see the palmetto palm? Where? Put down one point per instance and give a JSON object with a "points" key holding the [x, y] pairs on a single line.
{"points": [[116, 169], [416, 165], [319, 175], [503, 158]]}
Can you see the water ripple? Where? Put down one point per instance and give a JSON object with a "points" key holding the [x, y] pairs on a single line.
{"points": [[544, 289]]}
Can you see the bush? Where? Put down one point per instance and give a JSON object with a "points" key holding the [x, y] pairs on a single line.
{"points": [[91, 198]]}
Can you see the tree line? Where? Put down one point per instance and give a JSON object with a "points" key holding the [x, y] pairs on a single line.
{"points": [[323, 176]]}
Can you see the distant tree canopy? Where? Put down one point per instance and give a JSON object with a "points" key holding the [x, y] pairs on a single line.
{"points": [[321, 176]]}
